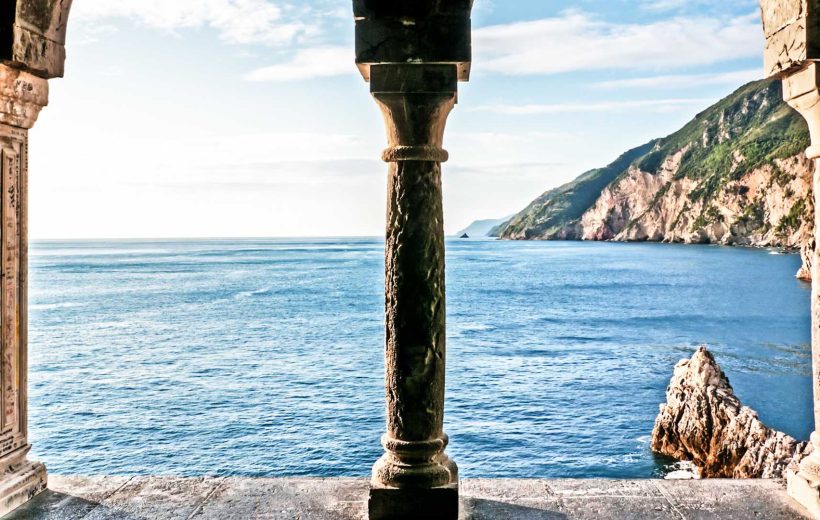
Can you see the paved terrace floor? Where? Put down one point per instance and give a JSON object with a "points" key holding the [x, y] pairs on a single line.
{"points": [[168, 498]]}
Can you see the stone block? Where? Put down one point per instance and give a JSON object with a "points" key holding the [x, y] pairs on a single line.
{"points": [[792, 31], [409, 8], [32, 35], [413, 504], [20, 484], [413, 31], [418, 79], [804, 493], [435, 39]]}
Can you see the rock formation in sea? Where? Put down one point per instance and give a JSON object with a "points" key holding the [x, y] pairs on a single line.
{"points": [[735, 175], [704, 422]]}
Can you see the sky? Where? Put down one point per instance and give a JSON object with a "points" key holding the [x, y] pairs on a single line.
{"points": [[248, 118]]}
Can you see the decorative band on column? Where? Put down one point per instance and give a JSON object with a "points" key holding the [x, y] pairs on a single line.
{"points": [[414, 448], [415, 153]]}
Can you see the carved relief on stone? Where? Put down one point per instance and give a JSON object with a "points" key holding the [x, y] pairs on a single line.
{"points": [[13, 435], [10, 301], [22, 96]]}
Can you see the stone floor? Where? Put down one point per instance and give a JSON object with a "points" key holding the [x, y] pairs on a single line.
{"points": [[168, 498]]}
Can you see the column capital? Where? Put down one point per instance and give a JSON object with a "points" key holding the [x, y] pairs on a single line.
{"points": [[22, 96], [801, 90], [415, 101]]}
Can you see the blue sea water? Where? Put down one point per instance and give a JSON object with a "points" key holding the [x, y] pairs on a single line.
{"points": [[264, 357]]}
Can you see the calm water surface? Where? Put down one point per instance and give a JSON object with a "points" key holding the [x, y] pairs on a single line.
{"points": [[264, 357]]}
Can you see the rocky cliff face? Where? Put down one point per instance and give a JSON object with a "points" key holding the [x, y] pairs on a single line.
{"points": [[767, 206], [704, 422], [735, 175]]}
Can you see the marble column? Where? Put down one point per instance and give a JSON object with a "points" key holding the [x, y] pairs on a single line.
{"points": [[22, 95], [414, 478]]}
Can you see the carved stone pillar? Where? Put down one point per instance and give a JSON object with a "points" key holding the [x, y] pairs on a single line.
{"points": [[802, 91], [414, 478], [22, 95], [414, 54]]}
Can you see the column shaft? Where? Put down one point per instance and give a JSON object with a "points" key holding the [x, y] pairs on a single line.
{"points": [[414, 310]]}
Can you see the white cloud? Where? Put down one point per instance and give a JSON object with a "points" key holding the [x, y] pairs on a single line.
{"points": [[237, 21], [685, 80], [576, 41], [658, 105], [664, 5], [670, 5], [309, 63]]}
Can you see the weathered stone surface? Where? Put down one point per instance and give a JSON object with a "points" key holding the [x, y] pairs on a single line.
{"points": [[730, 499], [32, 35], [704, 422], [22, 96], [75, 498], [791, 30], [239, 498]]}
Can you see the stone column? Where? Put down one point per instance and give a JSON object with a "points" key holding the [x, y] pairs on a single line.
{"points": [[414, 478], [22, 95], [801, 90], [32, 50]]}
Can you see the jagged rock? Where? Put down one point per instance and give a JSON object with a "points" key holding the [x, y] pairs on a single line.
{"points": [[807, 254], [705, 423]]}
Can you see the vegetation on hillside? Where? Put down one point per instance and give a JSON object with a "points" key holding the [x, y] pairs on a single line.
{"points": [[750, 128], [554, 209]]}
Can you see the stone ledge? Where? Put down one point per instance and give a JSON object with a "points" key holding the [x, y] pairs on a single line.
{"points": [[170, 498]]}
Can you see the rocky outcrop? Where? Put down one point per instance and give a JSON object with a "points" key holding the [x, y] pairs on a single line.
{"points": [[769, 206], [705, 423], [807, 254]]}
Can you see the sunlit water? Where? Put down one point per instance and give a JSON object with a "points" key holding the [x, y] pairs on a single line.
{"points": [[264, 357]]}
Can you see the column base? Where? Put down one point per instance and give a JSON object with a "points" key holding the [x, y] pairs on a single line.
{"points": [[20, 483], [439, 503], [804, 492]]}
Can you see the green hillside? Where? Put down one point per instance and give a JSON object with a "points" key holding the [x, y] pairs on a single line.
{"points": [[750, 128]]}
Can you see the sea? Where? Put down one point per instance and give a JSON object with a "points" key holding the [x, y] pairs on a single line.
{"points": [[264, 357]]}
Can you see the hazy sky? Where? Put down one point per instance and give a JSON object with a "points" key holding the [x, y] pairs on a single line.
{"points": [[217, 118]]}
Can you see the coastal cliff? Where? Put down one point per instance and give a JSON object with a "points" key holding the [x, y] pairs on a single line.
{"points": [[704, 422], [735, 175]]}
